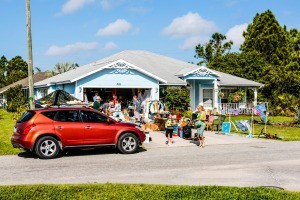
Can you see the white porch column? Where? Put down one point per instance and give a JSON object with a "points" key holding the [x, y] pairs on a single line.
{"points": [[255, 96], [216, 91], [245, 97]]}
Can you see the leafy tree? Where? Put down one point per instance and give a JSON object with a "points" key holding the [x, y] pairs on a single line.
{"points": [[38, 69], [271, 55], [295, 40], [3, 71], [15, 98], [216, 47], [267, 37], [17, 69], [62, 67], [177, 98], [245, 65]]}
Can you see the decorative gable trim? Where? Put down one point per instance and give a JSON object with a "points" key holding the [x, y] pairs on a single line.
{"points": [[121, 67], [202, 71]]}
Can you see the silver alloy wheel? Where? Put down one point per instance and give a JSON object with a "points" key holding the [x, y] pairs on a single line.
{"points": [[128, 143], [48, 148]]}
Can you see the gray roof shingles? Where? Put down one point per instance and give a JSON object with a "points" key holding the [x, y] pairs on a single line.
{"points": [[24, 82], [161, 66]]}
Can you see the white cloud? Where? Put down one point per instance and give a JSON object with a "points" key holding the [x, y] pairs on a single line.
{"points": [[119, 27], [110, 46], [235, 34], [71, 48], [73, 5], [191, 27]]}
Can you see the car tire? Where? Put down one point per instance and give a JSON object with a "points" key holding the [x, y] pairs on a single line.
{"points": [[47, 147], [128, 143]]}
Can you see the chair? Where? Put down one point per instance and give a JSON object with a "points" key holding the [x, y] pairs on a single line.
{"points": [[218, 122]]}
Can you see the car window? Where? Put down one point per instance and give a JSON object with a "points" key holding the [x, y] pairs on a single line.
{"points": [[49, 114], [27, 116], [89, 116], [67, 116]]}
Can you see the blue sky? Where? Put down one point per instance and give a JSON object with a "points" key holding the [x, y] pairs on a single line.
{"points": [[84, 31]]}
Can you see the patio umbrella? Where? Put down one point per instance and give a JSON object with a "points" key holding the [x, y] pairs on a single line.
{"points": [[58, 97]]}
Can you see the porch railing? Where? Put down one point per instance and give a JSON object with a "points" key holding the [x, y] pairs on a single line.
{"points": [[235, 108]]}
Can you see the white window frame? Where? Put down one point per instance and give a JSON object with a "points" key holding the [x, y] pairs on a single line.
{"points": [[201, 97]]}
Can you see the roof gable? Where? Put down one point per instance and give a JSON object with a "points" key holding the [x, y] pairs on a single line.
{"points": [[201, 71], [121, 66]]}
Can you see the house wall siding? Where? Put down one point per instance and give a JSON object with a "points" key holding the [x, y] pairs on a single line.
{"points": [[118, 78], [70, 88], [113, 78]]}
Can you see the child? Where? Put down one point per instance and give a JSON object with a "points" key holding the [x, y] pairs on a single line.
{"points": [[126, 115], [169, 129]]}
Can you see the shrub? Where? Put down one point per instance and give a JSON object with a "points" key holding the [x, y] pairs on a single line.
{"points": [[177, 98], [15, 98]]}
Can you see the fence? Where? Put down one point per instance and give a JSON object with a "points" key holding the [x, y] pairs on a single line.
{"points": [[235, 108]]}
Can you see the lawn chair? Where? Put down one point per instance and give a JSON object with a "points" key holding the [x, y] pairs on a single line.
{"points": [[218, 122], [243, 125], [209, 123]]}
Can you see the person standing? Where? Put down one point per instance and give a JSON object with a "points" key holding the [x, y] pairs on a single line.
{"points": [[136, 107], [96, 96], [169, 125], [96, 104], [105, 106], [201, 123]]}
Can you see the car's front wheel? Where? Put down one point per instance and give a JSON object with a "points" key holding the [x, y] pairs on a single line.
{"points": [[47, 147], [128, 143]]}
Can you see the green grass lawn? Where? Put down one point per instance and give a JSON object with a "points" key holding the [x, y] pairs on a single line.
{"points": [[141, 191], [288, 133], [6, 130]]}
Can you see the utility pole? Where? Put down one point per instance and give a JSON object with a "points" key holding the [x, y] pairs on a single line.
{"points": [[29, 47]]}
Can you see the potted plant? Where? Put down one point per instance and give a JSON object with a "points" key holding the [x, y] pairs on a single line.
{"points": [[221, 95], [236, 97]]}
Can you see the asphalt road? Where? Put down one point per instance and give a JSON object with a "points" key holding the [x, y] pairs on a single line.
{"points": [[267, 163]]}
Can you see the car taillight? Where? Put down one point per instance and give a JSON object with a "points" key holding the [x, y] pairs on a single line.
{"points": [[27, 129]]}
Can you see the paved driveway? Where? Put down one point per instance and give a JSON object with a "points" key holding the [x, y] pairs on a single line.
{"points": [[211, 138]]}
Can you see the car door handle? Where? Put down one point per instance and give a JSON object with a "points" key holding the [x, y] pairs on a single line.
{"points": [[88, 127], [59, 127]]}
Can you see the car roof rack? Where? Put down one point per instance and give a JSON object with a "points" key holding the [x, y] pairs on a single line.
{"points": [[68, 106]]}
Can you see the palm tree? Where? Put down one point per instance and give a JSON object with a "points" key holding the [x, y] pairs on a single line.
{"points": [[63, 67], [37, 69]]}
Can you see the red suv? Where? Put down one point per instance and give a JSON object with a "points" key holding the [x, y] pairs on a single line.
{"points": [[48, 131]]}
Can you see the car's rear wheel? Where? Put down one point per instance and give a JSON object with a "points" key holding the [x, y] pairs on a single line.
{"points": [[47, 147], [128, 143]]}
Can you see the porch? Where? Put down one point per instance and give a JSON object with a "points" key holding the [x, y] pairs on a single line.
{"points": [[235, 108]]}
